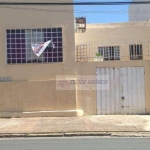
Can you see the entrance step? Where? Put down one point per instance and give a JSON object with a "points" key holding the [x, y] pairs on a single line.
{"points": [[59, 113]]}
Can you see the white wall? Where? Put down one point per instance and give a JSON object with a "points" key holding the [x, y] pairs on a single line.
{"points": [[138, 12]]}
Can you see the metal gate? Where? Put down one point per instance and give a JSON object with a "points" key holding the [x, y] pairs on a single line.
{"points": [[126, 94]]}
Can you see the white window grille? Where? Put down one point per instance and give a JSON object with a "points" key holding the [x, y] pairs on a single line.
{"points": [[110, 52]]}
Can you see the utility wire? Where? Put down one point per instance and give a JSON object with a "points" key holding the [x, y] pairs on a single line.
{"points": [[77, 11], [75, 3]]}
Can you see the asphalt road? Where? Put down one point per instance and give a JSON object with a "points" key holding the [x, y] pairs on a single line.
{"points": [[75, 143]]}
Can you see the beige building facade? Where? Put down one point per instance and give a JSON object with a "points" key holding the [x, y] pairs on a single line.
{"points": [[28, 83], [125, 48]]}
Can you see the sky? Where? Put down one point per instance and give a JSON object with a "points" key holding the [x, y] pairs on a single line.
{"points": [[105, 16]]}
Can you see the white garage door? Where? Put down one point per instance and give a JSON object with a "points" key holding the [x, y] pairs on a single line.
{"points": [[126, 94]]}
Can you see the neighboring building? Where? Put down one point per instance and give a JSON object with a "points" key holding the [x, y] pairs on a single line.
{"points": [[125, 49], [139, 12]]}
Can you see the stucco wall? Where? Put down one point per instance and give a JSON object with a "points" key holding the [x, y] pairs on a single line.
{"points": [[116, 34], [33, 87], [19, 18], [35, 96], [121, 34]]}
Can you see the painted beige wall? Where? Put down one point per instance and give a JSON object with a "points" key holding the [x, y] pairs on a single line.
{"points": [[33, 87], [113, 34], [27, 19], [116, 34], [35, 96]]}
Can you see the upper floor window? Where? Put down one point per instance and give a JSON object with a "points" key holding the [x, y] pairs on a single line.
{"points": [[19, 45], [110, 52], [136, 51]]}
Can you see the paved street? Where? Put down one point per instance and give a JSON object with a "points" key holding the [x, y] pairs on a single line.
{"points": [[75, 143]]}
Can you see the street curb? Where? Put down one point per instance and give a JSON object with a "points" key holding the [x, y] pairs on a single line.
{"points": [[74, 134]]}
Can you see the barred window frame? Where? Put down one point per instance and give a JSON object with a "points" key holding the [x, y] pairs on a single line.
{"points": [[18, 45], [110, 52], [136, 51]]}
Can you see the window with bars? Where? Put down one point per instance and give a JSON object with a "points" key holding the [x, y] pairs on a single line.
{"points": [[19, 43], [110, 52], [136, 52]]}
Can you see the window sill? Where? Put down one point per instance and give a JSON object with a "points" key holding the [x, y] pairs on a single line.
{"points": [[35, 64]]}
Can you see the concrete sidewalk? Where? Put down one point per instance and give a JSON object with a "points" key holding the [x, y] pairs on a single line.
{"points": [[73, 126]]}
